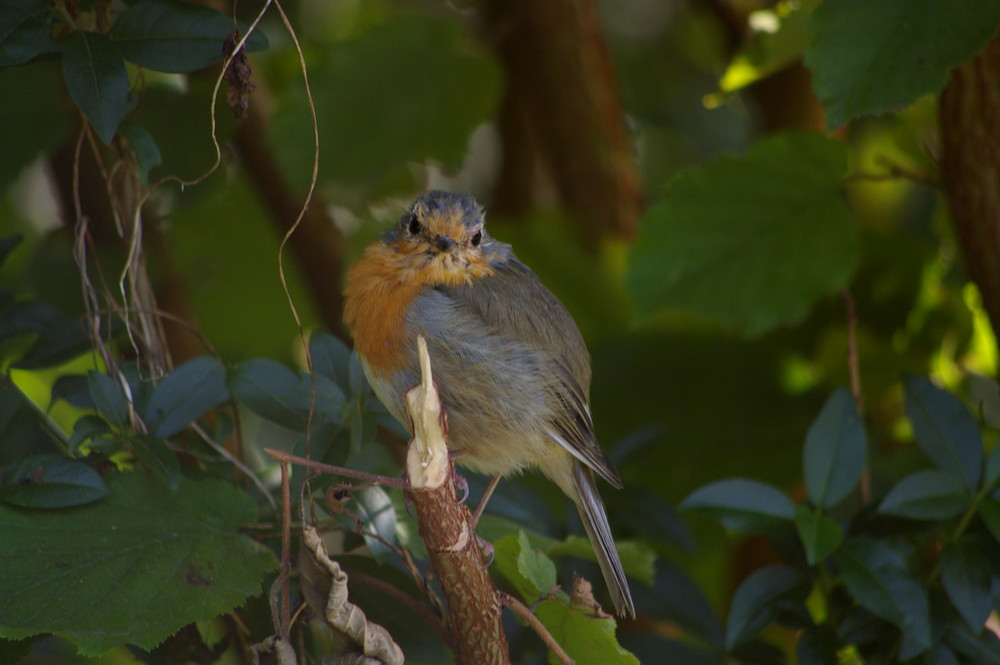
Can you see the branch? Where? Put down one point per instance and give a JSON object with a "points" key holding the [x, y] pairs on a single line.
{"points": [[521, 610], [374, 478], [473, 604]]}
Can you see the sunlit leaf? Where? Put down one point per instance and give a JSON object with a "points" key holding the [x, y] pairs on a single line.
{"points": [[872, 57], [165, 558], [587, 639], [752, 241]]}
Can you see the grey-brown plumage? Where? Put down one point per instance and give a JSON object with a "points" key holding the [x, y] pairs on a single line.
{"points": [[509, 361]]}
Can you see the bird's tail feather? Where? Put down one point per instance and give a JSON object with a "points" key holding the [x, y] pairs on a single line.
{"points": [[595, 520]]}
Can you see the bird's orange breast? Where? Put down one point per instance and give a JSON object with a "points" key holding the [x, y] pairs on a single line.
{"points": [[382, 286]]}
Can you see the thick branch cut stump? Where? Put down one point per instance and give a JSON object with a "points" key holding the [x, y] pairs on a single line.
{"points": [[473, 604]]}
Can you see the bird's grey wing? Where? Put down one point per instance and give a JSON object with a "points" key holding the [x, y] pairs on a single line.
{"points": [[515, 307]]}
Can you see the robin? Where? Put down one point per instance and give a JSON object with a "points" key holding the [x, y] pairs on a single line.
{"points": [[511, 366]]}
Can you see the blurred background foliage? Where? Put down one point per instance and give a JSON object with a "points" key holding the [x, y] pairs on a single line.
{"points": [[619, 147]]}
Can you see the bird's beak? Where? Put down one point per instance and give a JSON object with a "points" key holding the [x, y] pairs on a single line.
{"points": [[443, 243]]}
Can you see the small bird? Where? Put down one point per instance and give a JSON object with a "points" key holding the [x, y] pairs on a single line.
{"points": [[510, 364]]}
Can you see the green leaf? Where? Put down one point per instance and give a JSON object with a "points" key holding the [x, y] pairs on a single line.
{"points": [[534, 566], [926, 495], [878, 578], [59, 339], [51, 481], [86, 429], [751, 242], [449, 89], [184, 395], [835, 449], [587, 639], [756, 601], [272, 391], [944, 430], [108, 398], [638, 559], [742, 505], [24, 30], [175, 36], [873, 57], [165, 559], [8, 245], [97, 80], [820, 535], [966, 575], [147, 153], [20, 429], [989, 511], [158, 457], [330, 358], [991, 475], [506, 556], [983, 647]]}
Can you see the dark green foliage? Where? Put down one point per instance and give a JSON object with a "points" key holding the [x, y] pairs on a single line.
{"points": [[912, 579]]}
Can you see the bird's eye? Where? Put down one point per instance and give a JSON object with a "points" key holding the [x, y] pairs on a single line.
{"points": [[413, 225], [477, 238]]}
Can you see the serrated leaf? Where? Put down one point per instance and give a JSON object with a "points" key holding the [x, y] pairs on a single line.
{"points": [[449, 89], [820, 535], [175, 37], [184, 395], [51, 481], [751, 242], [24, 30], [878, 578], [586, 638], [755, 602], [534, 566], [966, 577], [926, 495], [166, 558], [835, 449], [97, 80], [872, 57], [506, 551], [108, 398], [944, 430], [742, 505], [155, 454]]}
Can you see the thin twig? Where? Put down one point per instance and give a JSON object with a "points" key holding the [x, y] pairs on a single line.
{"points": [[391, 481], [239, 464], [298, 220], [521, 610], [418, 608], [286, 549], [853, 368]]}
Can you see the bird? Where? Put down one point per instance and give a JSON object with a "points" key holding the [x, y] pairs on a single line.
{"points": [[510, 364]]}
